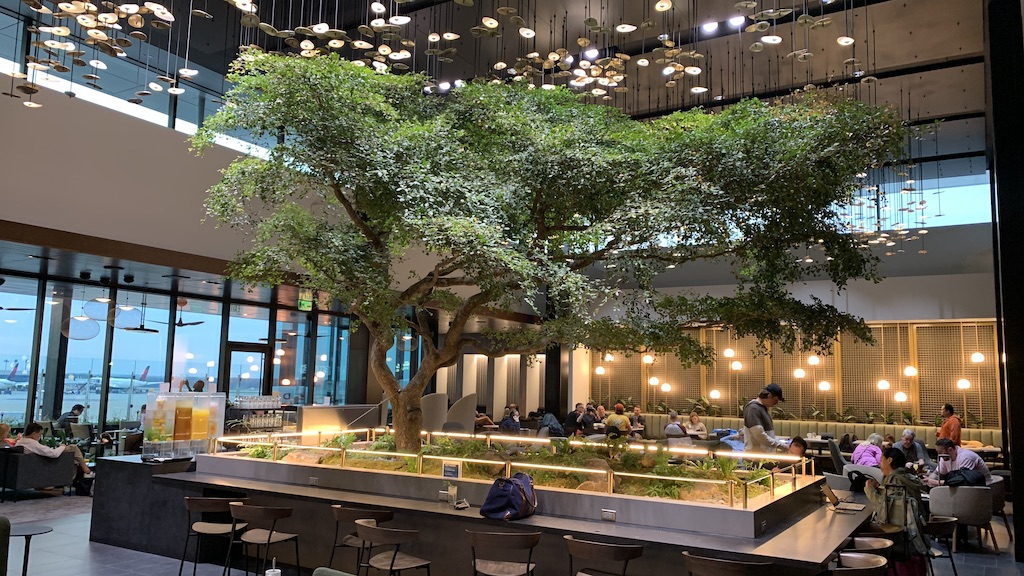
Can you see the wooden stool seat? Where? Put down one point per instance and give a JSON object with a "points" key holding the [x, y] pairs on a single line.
{"points": [[262, 536], [397, 562], [215, 528]]}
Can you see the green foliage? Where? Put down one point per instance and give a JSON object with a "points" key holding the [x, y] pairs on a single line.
{"points": [[779, 413], [264, 452], [908, 417], [882, 417], [384, 442], [630, 460], [662, 489], [341, 441], [973, 420], [704, 407], [811, 412], [371, 172], [846, 416]]}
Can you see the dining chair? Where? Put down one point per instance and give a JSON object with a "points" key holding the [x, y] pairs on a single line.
{"points": [[942, 528], [481, 543], [395, 561], [348, 517], [600, 554], [860, 564], [998, 487], [971, 505], [838, 461], [197, 528], [704, 566], [259, 536], [837, 481]]}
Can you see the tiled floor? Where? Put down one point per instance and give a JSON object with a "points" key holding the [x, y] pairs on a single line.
{"points": [[67, 552]]}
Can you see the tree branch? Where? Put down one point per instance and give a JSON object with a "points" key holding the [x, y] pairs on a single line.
{"points": [[353, 215]]}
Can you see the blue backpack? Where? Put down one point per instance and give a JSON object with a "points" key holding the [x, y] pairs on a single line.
{"points": [[510, 498]]}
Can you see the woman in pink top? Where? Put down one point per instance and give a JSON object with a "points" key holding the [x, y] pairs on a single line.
{"points": [[869, 453]]}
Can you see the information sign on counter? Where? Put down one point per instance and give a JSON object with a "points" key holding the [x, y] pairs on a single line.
{"points": [[451, 469]]}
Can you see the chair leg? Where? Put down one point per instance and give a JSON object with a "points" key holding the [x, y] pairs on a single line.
{"points": [[954, 538], [337, 529], [195, 559], [184, 553], [1006, 522], [227, 561], [992, 535], [298, 565]]}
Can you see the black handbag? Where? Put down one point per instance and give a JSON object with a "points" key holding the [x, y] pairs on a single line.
{"points": [[858, 480]]}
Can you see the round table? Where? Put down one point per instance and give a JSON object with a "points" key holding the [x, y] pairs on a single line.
{"points": [[27, 530]]}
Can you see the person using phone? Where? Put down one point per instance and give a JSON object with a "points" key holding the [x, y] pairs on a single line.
{"points": [[952, 457]]}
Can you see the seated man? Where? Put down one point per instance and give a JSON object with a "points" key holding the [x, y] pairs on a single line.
{"points": [[674, 431], [914, 450], [952, 457], [30, 442], [574, 422], [797, 447], [617, 424], [65, 420], [637, 420]]}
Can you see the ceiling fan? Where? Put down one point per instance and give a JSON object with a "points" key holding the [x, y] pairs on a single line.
{"points": [[180, 323], [142, 323]]}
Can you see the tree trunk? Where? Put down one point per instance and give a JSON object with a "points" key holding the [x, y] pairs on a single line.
{"points": [[407, 418]]}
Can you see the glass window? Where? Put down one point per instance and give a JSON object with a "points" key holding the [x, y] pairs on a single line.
{"points": [[245, 374], [80, 315], [17, 319], [197, 343], [248, 323], [289, 378], [139, 353], [331, 376]]}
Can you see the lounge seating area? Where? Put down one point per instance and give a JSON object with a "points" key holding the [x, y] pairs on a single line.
{"points": [[655, 429], [29, 471]]}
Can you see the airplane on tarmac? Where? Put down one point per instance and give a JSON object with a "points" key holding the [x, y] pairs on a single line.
{"points": [[8, 385], [124, 385]]}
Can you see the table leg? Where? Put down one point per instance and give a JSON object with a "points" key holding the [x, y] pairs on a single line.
{"points": [[24, 564]]}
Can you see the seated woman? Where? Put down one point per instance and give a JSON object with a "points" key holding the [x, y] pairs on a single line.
{"points": [[510, 424], [898, 500], [869, 453], [695, 426], [5, 434]]}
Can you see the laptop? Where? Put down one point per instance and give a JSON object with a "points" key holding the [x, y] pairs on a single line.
{"points": [[837, 503]]}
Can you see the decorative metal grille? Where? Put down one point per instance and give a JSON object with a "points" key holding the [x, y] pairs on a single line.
{"points": [[941, 352]]}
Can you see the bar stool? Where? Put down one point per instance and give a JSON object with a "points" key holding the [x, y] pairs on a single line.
{"points": [[600, 553], [349, 516], [942, 528], [516, 541], [860, 564], [260, 537], [198, 528], [394, 562], [701, 566], [870, 545]]}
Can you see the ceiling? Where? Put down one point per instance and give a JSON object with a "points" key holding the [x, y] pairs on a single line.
{"points": [[925, 58]]}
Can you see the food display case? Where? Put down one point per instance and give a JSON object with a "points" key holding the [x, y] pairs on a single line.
{"points": [[183, 423]]}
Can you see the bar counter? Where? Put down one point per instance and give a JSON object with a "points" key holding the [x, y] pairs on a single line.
{"points": [[803, 546]]}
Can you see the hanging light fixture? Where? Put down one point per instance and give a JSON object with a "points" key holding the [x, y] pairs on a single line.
{"points": [[728, 352], [80, 327], [799, 373], [715, 394], [813, 360]]}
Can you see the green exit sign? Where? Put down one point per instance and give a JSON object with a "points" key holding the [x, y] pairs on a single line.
{"points": [[305, 299]]}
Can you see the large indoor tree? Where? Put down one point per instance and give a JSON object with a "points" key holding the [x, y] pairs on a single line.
{"points": [[419, 210]]}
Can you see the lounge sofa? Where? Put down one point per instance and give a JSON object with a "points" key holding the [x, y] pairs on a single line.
{"points": [[655, 428], [22, 471]]}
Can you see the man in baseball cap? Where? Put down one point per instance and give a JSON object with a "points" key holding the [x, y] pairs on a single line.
{"points": [[758, 427]]}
